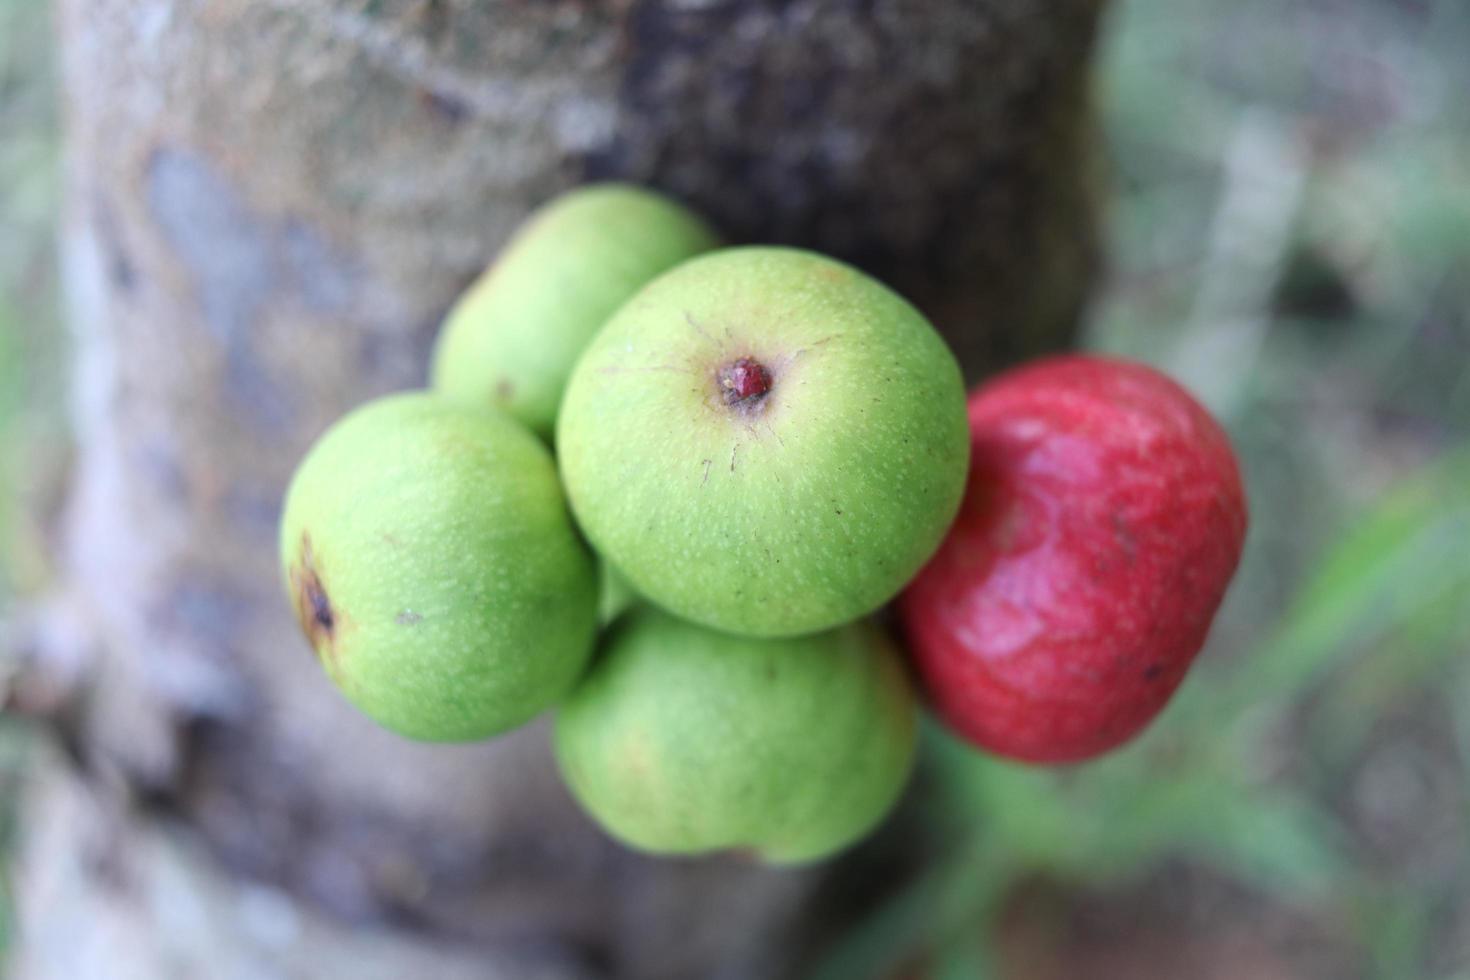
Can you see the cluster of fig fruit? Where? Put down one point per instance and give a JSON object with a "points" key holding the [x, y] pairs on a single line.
{"points": [[755, 449]]}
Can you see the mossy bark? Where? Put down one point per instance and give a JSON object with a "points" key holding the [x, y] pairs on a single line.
{"points": [[271, 203]]}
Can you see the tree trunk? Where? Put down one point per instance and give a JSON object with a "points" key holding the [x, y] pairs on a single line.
{"points": [[271, 204]]}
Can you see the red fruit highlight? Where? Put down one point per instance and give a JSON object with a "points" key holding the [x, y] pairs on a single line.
{"points": [[1103, 520]]}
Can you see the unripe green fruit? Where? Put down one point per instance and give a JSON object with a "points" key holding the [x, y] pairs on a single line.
{"points": [[682, 740], [433, 565], [765, 441], [513, 338]]}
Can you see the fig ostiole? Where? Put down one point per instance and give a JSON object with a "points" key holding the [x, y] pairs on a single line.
{"points": [[765, 441]]}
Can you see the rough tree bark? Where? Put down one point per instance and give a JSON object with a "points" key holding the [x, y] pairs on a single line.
{"points": [[271, 203]]}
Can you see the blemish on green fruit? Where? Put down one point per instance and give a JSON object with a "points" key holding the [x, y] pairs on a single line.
{"points": [[456, 600], [314, 609], [321, 619]]}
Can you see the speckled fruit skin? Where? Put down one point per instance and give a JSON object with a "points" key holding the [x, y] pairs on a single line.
{"points": [[1103, 521], [435, 570], [765, 441], [682, 740], [513, 337]]}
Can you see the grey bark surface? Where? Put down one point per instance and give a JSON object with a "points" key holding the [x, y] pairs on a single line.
{"points": [[270, 205]]}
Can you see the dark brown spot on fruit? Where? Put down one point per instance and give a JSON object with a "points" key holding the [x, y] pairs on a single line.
{"points": [[321, 606], [320, 620], [744, 382], [504, 390], [1152, 672]]}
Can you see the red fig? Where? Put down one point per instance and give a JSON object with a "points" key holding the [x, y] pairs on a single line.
{"points": [[1103, 519]]}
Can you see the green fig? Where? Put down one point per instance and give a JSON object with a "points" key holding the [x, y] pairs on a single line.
{"points": [[513, 337], [682, 740], [616, 596], [435, 570], [765, 441]]}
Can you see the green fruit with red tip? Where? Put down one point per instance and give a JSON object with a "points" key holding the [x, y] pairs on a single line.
{"points": [[765, 441]]}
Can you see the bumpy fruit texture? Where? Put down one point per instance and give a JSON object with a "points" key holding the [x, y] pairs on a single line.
{"points": [[433, 565], [765, 441], [682, 740], [512, 339], [1103, 521]]}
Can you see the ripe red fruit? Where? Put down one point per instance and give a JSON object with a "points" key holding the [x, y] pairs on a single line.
{"points": [[1103, 519]]}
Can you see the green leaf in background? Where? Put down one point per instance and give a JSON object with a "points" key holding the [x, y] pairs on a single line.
{"points": [[968, 960], [1404, 661], [1395, 563], [879, 945], [1277, 841], [1011, 803], [1395, 928]]}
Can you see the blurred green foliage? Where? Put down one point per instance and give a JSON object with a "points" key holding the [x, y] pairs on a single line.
{"points": [[30, 409]]}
